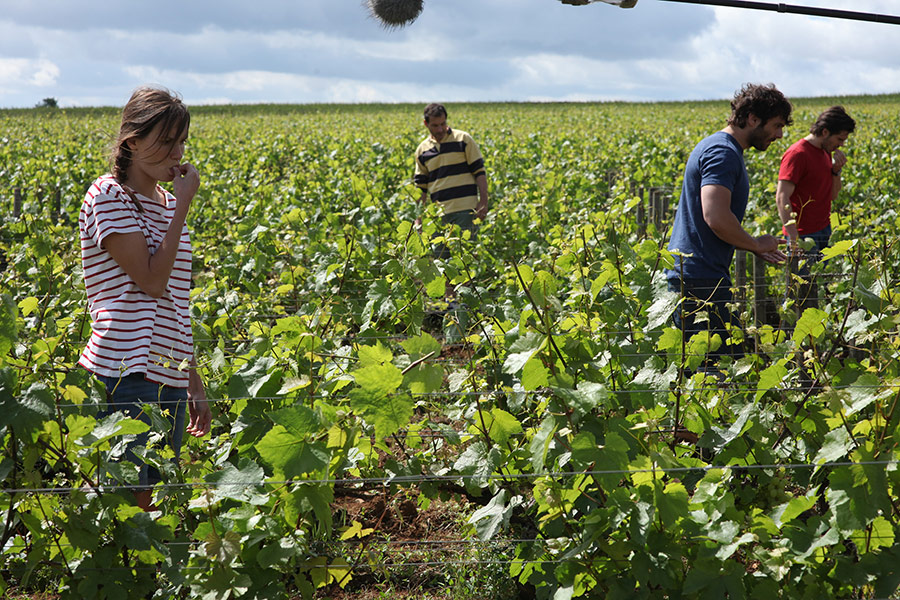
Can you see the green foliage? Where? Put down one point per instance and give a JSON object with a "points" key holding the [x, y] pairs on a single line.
{"points": [[567, 410]]}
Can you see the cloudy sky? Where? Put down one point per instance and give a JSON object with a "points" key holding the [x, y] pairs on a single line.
{"points": [[94, 52]]}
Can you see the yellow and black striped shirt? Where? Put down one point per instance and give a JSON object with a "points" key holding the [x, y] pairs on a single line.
{"points": [[447, 170]]}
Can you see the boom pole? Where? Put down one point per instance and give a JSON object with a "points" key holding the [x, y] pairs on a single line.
{"points": [[799, 10]]}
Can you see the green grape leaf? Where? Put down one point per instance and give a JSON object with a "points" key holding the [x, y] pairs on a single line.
{"points": [[298, 420], [837, 444], [863, 392], [436, 287], [374, 355], [477, 462], [534, 374], [588, 396], [522, 350], [9, 331], [790, 510], [27, 413], [660, 312], [254, 379], [810, 325], [277, 554], [771, 376], [243, 483], [424, 379], [670, 340], [418, 346], [501, 425], [543, 288], [585, 449], [375, 399], [838, 249], [223, 549], [378, 379], [142, 532], [494, 516], [540, 443], [291, 456]]}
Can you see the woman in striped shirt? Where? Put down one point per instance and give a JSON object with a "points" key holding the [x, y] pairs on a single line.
{"points": [[136, 255]]}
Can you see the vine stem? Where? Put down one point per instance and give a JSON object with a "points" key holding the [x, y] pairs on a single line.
{"points": [[681, 363], [887, 421], [541, 317], [59, 546], [363, 546], [417, 362], [615, 242], [343, 278], [813, 387], [7, 528]]}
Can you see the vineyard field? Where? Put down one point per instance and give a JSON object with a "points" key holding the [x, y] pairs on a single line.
{"points": [[521, 420]]}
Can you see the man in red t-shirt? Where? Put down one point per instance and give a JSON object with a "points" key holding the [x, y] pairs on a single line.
{"points": [[810, 178], [808, 182]]}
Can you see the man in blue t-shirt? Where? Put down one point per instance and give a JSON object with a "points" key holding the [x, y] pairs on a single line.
{"points": [[707, 225]]}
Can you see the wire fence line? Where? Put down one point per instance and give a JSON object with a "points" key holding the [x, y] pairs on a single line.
{"points": [[348, 567], [434, 301], [433, 478], [737, 387], [374, 543], [233, 342], [248, 317], [405, 565]]}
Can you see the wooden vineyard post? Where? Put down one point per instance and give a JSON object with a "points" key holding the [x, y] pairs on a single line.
{"points": [[791, 289], [39, 197], [57, 200], [641, 212], [740, 283], [611, 176], [655, 208], [17, 203], [759, 290], [658, 207], [664, 197], [740, 275]]}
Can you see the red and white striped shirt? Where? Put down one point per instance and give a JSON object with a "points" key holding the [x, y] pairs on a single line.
{"points": [[133, 332]]}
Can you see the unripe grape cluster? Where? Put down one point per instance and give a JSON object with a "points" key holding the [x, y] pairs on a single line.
{"points": [[775, 489]]}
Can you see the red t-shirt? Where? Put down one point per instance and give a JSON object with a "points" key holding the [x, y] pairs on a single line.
{"points": [[809, 169]]}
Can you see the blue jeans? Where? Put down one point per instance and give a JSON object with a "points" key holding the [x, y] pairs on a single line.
{"points": [[712, 296], [127, 394], [807, 292], [465, 219], [821, 238]]}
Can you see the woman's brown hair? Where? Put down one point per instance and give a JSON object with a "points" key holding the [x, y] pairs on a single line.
{"points": [[147, 107]]}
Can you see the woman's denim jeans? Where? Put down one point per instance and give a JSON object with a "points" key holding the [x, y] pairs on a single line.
{"points": [[127, 394]]}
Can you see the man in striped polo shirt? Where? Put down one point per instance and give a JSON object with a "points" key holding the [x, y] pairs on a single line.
{"points": [[450, 168]]}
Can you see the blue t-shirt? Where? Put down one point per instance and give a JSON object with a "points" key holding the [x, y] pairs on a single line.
{"points": [[717, 160]]}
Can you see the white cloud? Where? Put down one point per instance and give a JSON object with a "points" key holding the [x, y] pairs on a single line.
{"points": [[803, 56], [480, 50], [16, 72], [267, 86]]}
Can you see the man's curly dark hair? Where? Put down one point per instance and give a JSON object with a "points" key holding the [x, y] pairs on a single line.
{"points": [[764, 101]]}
